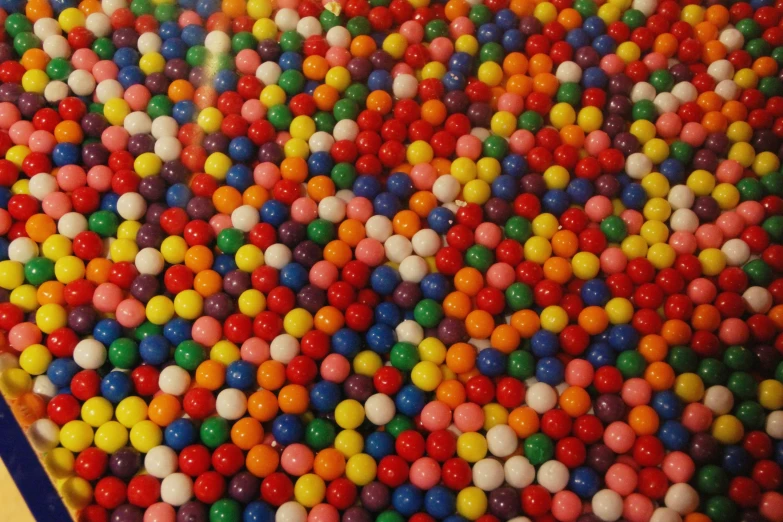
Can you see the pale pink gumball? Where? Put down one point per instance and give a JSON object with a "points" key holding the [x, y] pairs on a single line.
{"points": [[423, 176], [105, 70], [335, 368], [56, 204], [115, 138], [468, 416], [701, 291], [441, 49], [697, 417], [84, 59], [42, 141], [160, 512], [619, 436], [598, 208], [461, 26], [521, 142], [402, 68], [370, 251], [189, 18], [731, 224], [510, 102], [501, 276], [71, 177], [435, 416], [297, 459], [655, 61], [20, 132], [9, 114], [771, 506], [621, 478], [668, 125], [304, 210], [266, 175], [107, 297], [633, 220], [612, 64], [130, 313], [734, 331], [99, 178], [683, 242], [255, 350], [207, 330], [412, 31], [323, 274], [613, 261], [137, 97], [729, 171], [5, 221], [282, 138], [247, 61], [488, 234], [751, 211], [636, 391], [469, 146], [220, 222], [693, 134], [566, 506], [359, 209], [579, 372], [425, 473], [22, 335], [597, 142], [253, 110], [338, 57], [709, 236], [678, 467], [637, 508], [323, 513]]}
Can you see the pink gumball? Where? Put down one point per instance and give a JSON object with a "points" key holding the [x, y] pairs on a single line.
{"points": [[613, 260], [359, 209], [335, 368], [621, 478], [579, 372], [297, 459], [637, 508], [22, 335], [697, 417], [160, 512], [220, 222], [501, 276], [56, 204], [130, 313], [370, 251], [678, 467], [99, 178], [619, 436], [488, 235], [425, 473], [323, 513], [207, 330], [266, 175], [304, 210], [468, 416], [255, 350], [435, 416], [107, 297], [566, 506], [323, 274]]}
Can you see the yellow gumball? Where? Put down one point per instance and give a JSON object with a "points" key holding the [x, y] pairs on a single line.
{"points": [[111, 437], [426, 375], [349, 443], [298, 322], [367, 363], [471, 503], [360, 469], [97, 411], [145, 435], [160, 310], [35, 359], [309, 490], [472, 446], [130, 411], [76, 436]]}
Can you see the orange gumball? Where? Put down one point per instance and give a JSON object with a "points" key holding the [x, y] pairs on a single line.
{"points": [[329, 464], [575, 401], [643, 420], [164, 409], [458, 305], [210, 375], [262, 405], [526, 322], [505, 338], [271, 375], [479, 324], [653, 348], [246, 433], [461, 357], [262, 460], [524, 421], [452, 392], [660, 376]]}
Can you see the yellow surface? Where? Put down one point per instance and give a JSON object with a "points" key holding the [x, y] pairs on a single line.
{"points": [[14, 506]]}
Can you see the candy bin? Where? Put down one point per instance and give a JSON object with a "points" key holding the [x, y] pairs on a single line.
{"points": [[395, 260]]}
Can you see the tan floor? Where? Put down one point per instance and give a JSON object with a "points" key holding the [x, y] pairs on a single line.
{"points": [[13, 504]]}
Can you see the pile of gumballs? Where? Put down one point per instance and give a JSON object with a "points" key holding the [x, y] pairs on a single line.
{"points": [[396, 260]]}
